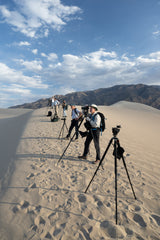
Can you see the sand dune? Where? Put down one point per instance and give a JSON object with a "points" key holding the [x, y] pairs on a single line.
{"points": [[12, 124], [47, 201]]}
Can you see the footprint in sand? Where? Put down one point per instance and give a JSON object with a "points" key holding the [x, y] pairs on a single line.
{"points": [[63, 225], [33, 167], [157, 218], [39, 220], [111, 230], [34, 227], [90, 216], [82, 198], [48, 236], [52, 218], [74, 179], [30, 176], [85, 233], [135, 208], [129, 232], [15, 209], [38, 208], [32, 186], [85, 169], [56, 232], [68, 204], [137, 218], [139, 237], [24, 204]]}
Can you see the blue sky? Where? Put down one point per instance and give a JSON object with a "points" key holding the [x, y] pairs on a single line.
{"points": [[50, 47]]}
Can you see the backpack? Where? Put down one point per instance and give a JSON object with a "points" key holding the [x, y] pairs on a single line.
{"points": [[103, 125], [75, 110], [55, 119], [49, 114], [119, 152]]}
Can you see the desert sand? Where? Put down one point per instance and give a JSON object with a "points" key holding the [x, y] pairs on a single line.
{"points": [[46, 200]]}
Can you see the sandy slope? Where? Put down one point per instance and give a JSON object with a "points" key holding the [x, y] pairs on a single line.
{"points": [[46, 201], [12, 124]]}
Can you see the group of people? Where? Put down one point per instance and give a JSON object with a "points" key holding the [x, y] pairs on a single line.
{"points": [[55, 103], [93, 119], [93, 133]]}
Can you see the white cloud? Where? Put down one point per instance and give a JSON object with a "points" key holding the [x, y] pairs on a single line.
{"points": [[35, 51], [24, 43], [11, 76], [70, 41], [34, 65], [102, 53], [16, 89], [155, 55], [33, 15], [103, 69], [43, 55], [92, 70], [51, 56], [156, 33]]}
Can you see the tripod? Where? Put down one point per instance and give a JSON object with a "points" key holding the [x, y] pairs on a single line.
{"points": [[62, 129], [118, 153], [70, 141]]}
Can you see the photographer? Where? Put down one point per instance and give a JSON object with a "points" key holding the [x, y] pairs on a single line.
{"points": [[64, 107], [93, 123], [76, 115], [55, 104]]}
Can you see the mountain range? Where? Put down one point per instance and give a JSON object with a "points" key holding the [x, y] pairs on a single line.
{"points": [[140, 93]]}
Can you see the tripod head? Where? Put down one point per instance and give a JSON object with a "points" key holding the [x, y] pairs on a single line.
{"points": [[64, 118], [85, 110], [116, 130]]}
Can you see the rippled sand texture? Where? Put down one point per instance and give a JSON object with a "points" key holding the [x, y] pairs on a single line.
{"points": [[47, 201]]}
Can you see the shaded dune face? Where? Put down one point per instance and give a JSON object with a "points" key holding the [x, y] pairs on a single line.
{"points": [[12, 124]]}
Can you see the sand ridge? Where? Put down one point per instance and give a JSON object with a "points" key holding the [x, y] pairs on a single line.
{"points": [[47, 201]]}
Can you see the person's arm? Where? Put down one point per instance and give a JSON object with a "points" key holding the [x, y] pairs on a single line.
{"points": [[79, 114]]}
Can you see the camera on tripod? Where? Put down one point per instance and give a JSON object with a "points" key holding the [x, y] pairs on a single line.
{"points": [[85, 110], [116, 130]]}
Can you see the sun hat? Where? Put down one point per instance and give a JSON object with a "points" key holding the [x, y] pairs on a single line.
{"points": [[94, 106]]}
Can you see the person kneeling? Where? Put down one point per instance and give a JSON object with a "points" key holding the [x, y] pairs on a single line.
{"points": [[94, 120]]}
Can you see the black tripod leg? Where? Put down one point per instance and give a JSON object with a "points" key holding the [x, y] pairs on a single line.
{"points": [[125, 166], [99, 164], [115, 169], [69, 142], [66, 127], [61, 130]]}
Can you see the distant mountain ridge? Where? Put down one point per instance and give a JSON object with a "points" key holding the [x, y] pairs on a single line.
{"points": [[140, 93]]}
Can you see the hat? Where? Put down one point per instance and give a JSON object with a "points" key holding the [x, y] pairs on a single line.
{"points": [[72, 104], [94, 106]]}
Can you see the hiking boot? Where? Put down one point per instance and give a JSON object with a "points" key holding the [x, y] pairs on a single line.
{"points": [[67, 137], [75, 140], [95, 162]]}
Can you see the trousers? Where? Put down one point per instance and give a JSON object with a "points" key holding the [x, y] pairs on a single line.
{"points": [[92, 135], [74, 123], [56, 109]]}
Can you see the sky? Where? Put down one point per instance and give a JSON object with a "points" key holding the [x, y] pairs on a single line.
{"points": [[50, 47]]}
